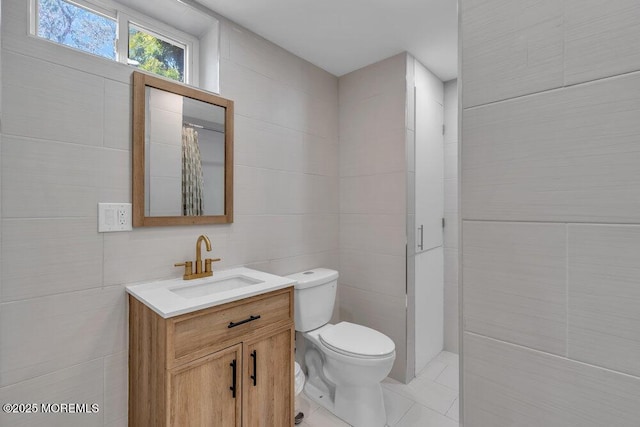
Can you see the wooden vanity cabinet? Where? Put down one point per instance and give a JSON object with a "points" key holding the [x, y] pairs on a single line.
{"points": [[209, 368], [198, 394]]}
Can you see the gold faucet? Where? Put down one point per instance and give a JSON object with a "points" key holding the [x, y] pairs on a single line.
{"points": [[208, 271]]}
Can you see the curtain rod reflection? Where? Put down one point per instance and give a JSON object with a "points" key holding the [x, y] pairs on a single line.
{"points": [[193, 125]]}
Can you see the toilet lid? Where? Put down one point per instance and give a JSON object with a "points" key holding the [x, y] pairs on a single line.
{"points": [[358, 340]]}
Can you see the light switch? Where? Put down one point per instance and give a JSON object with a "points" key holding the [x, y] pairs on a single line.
{"points": [[114, 217]]}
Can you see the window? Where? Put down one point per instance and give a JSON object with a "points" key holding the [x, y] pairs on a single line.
{"points": [[74, 26], [155, 53], [85, 26]]}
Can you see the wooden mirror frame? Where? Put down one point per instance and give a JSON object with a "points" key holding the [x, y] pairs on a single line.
{"points": [[140, 82]]}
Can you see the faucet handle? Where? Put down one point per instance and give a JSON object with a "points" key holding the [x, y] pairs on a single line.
{"points": [[188, 267], [207, 264]]}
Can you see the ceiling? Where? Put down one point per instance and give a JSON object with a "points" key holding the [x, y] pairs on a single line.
{"points": [[341, 36]]}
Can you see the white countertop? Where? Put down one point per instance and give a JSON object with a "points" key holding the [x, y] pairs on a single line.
{"points": [[162, 298]]}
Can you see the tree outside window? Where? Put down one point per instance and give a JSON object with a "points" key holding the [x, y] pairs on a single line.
{"points": [[74, 26], [153, 54], [95, 31]]}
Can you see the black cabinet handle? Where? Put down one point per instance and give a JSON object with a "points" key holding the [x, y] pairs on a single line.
{"points": [[233, 381], [242, 322], [254, 377]]}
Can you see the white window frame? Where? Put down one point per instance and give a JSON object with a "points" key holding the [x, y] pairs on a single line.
{"points": [[124, 17]]}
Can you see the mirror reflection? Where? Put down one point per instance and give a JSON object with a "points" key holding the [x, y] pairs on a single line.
{"points": [[184, 170], [182, 154]]}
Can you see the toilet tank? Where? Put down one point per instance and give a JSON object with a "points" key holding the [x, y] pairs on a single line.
{"points": [[314, 297]]}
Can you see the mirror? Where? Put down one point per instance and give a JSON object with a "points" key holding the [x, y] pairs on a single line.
{"points": [[182, 154]]}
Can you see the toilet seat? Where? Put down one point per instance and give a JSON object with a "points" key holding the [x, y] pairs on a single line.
{"points": [[357, 341]]}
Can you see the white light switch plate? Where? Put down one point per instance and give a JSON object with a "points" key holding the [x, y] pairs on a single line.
{"points": [[114, 217]]}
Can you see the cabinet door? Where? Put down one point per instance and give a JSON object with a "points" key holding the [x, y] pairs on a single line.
{"points": [[201, 393], [429, 157], [268, 380]]}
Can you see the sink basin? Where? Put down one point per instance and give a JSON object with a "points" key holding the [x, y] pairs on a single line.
{"points": [[214, 285], [174, 297]]}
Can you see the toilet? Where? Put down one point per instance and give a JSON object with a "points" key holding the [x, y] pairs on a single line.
{"points": [[345, 362]]}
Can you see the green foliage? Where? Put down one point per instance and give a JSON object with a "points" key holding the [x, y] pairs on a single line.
{"points": [[74, 26], [155, 55]]}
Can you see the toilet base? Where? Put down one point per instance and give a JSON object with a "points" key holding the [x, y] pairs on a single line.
{"points": [[358, 406], [321, 397]]}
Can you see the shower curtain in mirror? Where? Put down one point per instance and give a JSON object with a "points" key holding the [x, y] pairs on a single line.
{"points": [[192, 177]]}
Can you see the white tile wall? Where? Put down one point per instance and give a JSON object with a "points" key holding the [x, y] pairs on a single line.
{"points": [[450, 114], [120, 422], [375, 272], [604, 296], [451, 199], [377, 194], [257, 54], [451, 315], [600, 41], [284, 266], [35, 263], [379, 234], [113, 175], [358, 158], [269, 191], [451, 153], [510, 48], [278, 145], [45, 334], [515, 283], [532, 388], [60, 179], [69, 111], [117, 111], [150, 253], [564, 155], [451, 266], [82, 383], [386, 77], [550, 177], [116, 387]]}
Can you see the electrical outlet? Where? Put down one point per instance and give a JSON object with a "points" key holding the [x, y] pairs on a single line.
{"points": [[122, 216], [114, 217]]}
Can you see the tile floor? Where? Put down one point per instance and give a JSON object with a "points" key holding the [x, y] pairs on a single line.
{"points": [[430, 400]]}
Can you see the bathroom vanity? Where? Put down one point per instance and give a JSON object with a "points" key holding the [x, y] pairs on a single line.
{"points": [[212, 352]]}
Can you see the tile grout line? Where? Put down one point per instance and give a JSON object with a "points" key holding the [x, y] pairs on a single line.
{"points": [[414, 403], [566, 292], [451, 406], [551, 355]]}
